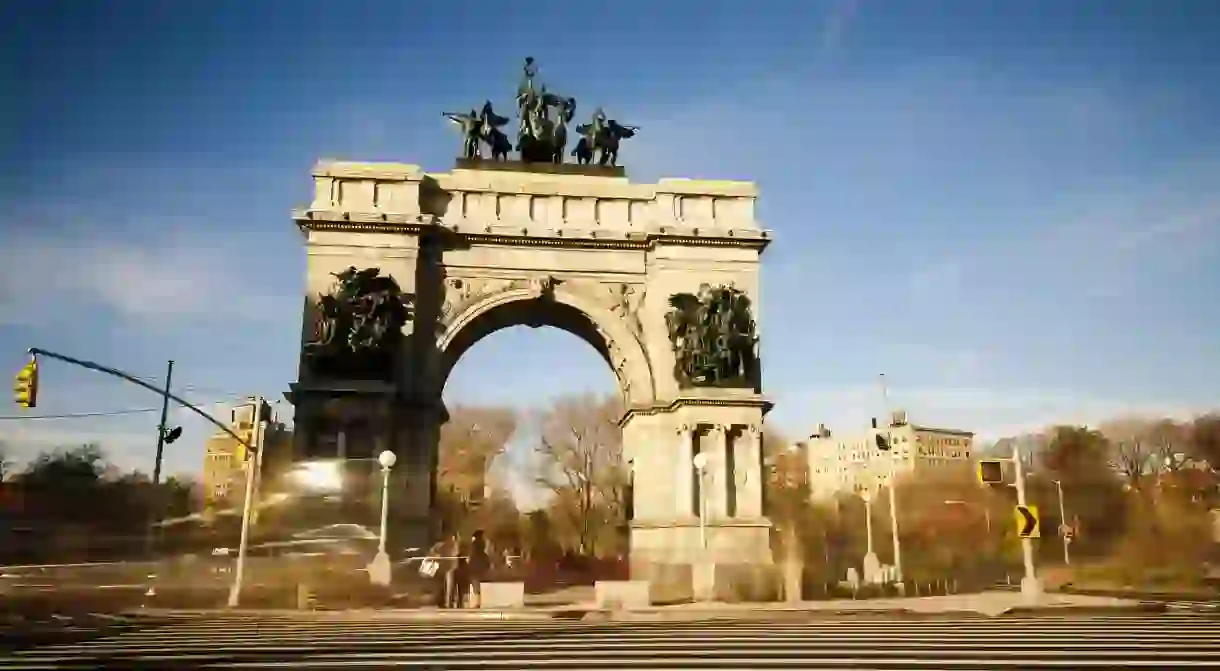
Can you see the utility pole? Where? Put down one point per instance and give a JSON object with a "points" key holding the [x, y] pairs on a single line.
{"points": [[156, 504], [161, 428], [1030, 588]]}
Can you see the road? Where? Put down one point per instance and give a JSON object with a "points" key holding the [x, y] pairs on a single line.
{"points": [[248, 641]]}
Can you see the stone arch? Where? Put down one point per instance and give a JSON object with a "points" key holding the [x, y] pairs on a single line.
{"points": [[562, 308]]}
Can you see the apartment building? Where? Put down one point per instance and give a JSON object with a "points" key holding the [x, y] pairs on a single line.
{"points": [[855, 462], [223, 469]]}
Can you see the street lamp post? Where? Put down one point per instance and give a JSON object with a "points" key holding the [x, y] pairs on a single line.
{"points": [[699, 461], [380, 570], [703, 574], [1067, 557], [894, 523]]}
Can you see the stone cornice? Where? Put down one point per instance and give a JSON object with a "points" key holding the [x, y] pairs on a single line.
{"points": [[586, 238], [716, 400]]}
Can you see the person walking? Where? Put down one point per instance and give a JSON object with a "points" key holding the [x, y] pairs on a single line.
{"points": [[479, 566], [442, 553], [461, 575]]}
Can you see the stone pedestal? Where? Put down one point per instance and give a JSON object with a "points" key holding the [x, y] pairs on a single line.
{"points": [[354, 421], [725, 556]]}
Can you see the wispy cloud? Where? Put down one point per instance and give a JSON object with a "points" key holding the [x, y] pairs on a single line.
{"points": [[1110, 245], [150, 283]]}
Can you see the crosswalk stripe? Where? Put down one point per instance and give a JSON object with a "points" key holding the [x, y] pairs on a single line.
{"points": [[1186, 640]]}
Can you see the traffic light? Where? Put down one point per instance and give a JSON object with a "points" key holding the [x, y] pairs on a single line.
{"points": [[172, 434], [991, 472], [25, 387]]}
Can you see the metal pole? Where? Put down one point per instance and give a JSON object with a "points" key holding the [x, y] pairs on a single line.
{"points": [[169, 375], [1029, 584], [252, 464], [273, 420], [886, 417], [156, 511], [702, 511], [894, 523], [1067, 557], [385, 508]]}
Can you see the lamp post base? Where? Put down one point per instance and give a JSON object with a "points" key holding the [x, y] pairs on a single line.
{"points": [[379, 569], [1031, 589]]}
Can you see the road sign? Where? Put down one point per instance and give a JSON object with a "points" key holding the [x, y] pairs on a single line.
{"points": [[1028, 525]]}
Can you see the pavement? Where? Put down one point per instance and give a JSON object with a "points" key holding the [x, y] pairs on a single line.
{"points": [[985, 604], [239, 640]]}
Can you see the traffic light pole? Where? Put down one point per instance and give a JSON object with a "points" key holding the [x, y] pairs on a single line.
{"points": [[155, 510], [1031, 589], [165, 393], [253, 464], [169, 376]]}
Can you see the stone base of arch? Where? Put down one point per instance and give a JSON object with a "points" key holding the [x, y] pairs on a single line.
{"points": [[728, 556]]}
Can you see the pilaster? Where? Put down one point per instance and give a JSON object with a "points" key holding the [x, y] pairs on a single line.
{"points": [[748, 463], [714, 442]]}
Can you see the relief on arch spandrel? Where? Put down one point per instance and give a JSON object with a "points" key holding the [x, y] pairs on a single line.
{"points": [[625, 302], [460, 292]]}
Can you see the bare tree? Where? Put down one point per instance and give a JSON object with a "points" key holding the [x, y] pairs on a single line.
{"points": [[580, 459], [1131, 450], [472, 439], [1170, 442]]}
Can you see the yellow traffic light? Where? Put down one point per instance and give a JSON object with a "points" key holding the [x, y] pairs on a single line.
{"points": [[991, 472], [25, 387]]}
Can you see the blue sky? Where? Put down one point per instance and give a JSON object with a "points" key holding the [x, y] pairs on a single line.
{"points": [[1012, 209]]}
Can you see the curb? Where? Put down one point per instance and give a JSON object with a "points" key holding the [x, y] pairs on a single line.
{"points": [[1142, 596], [1137, 607], [652, 614], [405, 615]]}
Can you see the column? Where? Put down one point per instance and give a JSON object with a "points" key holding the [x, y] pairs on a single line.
{"points": [[748, 448], [684, 473], [717, 479]]}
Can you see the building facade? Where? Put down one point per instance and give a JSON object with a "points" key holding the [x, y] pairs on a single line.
{"points": [[224, 481], [856, 462]]}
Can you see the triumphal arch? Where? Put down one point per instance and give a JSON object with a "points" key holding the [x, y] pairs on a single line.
{"points": [[408, 269]]}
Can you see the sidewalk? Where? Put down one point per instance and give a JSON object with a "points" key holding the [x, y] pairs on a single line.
{"points": [[986, 604]]}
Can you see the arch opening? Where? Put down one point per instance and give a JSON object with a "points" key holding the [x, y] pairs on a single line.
{"points": [[531, 312]]}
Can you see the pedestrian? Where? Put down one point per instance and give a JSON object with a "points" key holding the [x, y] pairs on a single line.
{"points": [[480, 565], [461, 575], [441, 554]]}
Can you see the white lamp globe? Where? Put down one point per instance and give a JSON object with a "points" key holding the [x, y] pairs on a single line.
{"points": [[387, 459]]}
